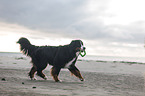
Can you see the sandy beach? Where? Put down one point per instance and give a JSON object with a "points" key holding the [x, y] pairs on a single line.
{"points": [[101, 79]]}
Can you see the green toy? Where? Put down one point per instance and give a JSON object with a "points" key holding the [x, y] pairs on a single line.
{"points": [[83, 54]]}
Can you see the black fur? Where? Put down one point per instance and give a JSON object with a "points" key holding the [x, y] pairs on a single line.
{"points": [[57, 56]]}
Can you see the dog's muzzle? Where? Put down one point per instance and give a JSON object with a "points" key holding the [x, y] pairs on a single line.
{"points": [[80, 49], [83, 49]]}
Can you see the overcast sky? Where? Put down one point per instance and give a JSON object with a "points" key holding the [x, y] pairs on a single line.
{"points": [[107, 27]]}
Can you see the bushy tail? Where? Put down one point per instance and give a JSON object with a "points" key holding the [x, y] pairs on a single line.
{"points": [[26, 47]]}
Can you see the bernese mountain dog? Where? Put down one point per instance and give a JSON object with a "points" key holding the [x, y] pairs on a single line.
{"points": [[57, 56]]}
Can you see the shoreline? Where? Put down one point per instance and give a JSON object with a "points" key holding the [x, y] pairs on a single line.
{"points": [[113, 67]]}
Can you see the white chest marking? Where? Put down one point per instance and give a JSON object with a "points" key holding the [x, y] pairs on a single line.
{"points": [[70, 63]]}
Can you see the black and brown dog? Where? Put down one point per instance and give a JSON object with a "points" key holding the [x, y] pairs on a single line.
{"points": [[57, 56]]}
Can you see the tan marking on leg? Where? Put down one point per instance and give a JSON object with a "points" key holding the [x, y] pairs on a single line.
{"points": [[77, 74]]}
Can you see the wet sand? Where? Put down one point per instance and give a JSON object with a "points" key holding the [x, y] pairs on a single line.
{"points": [[14, 80]]}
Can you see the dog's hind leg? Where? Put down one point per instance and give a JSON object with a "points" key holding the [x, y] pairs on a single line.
{"points": [[76, 72], [32, 72], [55, 72]]}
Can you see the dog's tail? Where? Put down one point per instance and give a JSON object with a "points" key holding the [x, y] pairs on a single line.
{"points": [[26, 47]]}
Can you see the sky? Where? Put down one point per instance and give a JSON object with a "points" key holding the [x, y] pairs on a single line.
{"points": [[107, 27]]}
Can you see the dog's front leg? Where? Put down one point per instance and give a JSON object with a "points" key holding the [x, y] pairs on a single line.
{"points": [[55, 72], [76, 72]]}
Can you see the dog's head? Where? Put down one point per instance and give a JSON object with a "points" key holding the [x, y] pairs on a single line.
{"points": [[23, 41], [77, 45]]}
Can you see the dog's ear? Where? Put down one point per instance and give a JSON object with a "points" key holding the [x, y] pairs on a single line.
{"points": [[75, 45], [73, 42]]}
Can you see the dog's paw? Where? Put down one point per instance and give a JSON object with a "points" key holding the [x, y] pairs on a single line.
{"points": [[45, 78], [33, 79], [82, 79], [58, 81]]}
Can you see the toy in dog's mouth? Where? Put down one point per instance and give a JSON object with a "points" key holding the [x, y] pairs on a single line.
{"points": [[82, 51]]}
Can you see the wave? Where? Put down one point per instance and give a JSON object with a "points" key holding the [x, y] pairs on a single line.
{"points": [[124, 62]]}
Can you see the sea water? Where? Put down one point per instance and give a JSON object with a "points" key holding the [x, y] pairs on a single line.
{"points": [[105, 64], [114, 59], [88, 58]]}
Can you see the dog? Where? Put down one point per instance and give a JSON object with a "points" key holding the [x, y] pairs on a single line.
{"points": [[57, 56]]}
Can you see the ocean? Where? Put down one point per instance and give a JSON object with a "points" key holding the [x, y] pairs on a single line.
{"points": [[114, 59], [105, 64], [137, 60]]}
